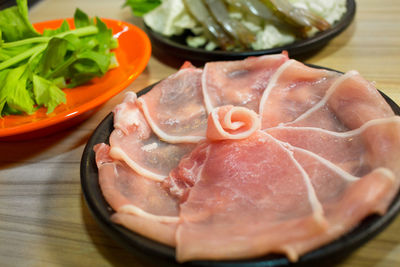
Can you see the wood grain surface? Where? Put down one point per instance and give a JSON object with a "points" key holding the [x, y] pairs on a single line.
{"points": [[43, 217]]}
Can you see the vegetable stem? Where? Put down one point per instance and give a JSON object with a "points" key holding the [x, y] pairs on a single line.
{"points": [[26, 41], [88, 30], [22, 56], [61, 67]]}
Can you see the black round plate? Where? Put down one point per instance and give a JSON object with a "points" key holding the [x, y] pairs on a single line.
{"points": [[176, 45], [165, 255]]}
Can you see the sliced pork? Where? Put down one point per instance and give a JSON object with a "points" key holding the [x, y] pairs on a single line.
{"points": [[134, 142], [375, 144], [188, 165], [354, 173], [293, 89], [349, 103], [251, 198], [187, 173], [139, 202], [229, 122], [346, 199], [163, 232], [174, 108], [237, 178], [240, 82], [224, 123]]}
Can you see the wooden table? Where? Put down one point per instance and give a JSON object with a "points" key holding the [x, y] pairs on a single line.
{"points": [[43, 218]]}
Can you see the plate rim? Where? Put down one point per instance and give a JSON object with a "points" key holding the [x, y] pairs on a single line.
{"points": [[135, 243], [94, 102], [296, 48]]}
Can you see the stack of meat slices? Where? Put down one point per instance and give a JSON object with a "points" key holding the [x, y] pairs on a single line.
{"points": [[244, 158]]}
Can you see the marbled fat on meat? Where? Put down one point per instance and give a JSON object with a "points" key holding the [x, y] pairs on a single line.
{"points": [[139, 147], [240, 82], [249, 194], [138, 202], [293, 89], [350, 102], [174, 108]]}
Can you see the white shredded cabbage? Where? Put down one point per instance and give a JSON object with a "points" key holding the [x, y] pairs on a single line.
{"points": [[169, 18], [330, 10], [271, 36]]}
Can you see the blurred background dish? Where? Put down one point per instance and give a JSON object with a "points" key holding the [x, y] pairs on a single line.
{"points": [[176, 44], [133, 54]]}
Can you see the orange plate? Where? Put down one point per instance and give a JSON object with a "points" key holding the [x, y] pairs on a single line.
{"points": [[133, 54]]}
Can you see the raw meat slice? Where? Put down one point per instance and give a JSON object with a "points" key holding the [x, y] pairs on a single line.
{"points": [[139, 202], [346, 199], [123, 187], [349, 103], [251, 193], [375, 144], [228, 182], [158, 231], [229, 122], [342, 149], [226, 122], [356, 101], [187, 173], [240, 82], [174, 108], [334, 161], [187, 64], [128, 118], [370, 195], [133, 142], [328, 157], [293, 89]]}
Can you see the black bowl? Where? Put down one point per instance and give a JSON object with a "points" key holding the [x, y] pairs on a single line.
{"points": [[162, 255], [176, 45]]}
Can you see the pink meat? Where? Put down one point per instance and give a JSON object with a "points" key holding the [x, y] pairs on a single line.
{"points": [[375, 144], [187, 173], [349, 103], [356, 101], [328, 157], [357, 153], [354, 173], [240, 82], [122, 186], [139, 202], [229, 122], [174, 108], [158, 231], [262, 179], [346, 200], [292, 90], [134, 142], [249, 194], [346, 150]]}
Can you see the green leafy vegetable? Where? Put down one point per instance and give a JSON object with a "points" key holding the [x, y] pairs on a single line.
{"points": [[140, 7], [81, 19], [63, 28], [14, 22], [14, 92], [33, 66], [46, 93]]}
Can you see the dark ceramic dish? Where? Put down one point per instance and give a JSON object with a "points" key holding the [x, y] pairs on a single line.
{"points": [[176, 45], [162, 255]]}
